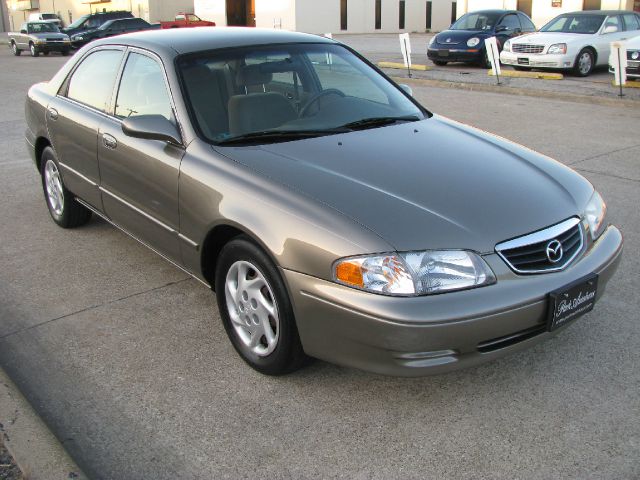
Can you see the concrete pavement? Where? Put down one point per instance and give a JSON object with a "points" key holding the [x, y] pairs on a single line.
{"points": [[125, 358]]}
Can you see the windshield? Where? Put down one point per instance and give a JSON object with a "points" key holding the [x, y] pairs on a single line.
{"points": [[476, 21], [42, 27], [306, 89], [574, 24], [49, 16], [78, 22]]}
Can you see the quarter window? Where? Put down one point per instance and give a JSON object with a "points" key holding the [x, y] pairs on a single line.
{"points": [[511, 22], [142, 89], [92, 82], [631, 21]]}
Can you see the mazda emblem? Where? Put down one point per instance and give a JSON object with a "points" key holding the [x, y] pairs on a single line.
{"points": [[554, 251]]}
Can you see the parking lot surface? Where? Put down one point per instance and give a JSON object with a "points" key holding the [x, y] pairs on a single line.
{"points": [[125, 357]]}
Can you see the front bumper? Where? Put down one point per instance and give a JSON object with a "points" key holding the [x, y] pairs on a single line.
{"points": [[562, 61], [455, 53], [633, 69], [433, 334], [53, 47]]}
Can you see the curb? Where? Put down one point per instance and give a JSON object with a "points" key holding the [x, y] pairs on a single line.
{"points": [[478, 87], [36, 451], [538, 75], [401, 66]]}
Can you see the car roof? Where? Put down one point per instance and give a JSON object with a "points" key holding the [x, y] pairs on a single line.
{"points": [[182, 40], [495, 11], [596, 12]]}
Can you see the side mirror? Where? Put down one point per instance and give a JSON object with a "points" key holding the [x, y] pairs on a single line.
{"points": [[610, 29], [407, 89], [151, 127], [501, 28], [24, 31]]}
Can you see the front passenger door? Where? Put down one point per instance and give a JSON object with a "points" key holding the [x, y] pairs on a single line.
{"points": [[139, 177]]}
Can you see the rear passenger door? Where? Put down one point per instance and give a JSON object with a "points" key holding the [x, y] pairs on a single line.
{"points": [[139, 177], [74, 117]]}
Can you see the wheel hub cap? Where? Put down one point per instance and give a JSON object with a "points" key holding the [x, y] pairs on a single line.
{"points": [[252, 308]]}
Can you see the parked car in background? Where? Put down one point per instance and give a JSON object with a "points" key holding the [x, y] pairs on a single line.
{"points": [[633, 58], [111, 28], [464, 40], [333, 215], [187, 20], [46, 17], [39, 37], [578, 41], [94, 20]]}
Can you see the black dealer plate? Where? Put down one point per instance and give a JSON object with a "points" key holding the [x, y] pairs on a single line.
{"points": [[523, 61], [572, 301]]}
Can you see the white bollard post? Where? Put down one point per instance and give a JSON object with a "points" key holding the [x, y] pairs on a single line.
{"points": [[618, 61], [491, 47], [405, 48]]}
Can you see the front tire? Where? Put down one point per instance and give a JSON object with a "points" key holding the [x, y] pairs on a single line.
{"points": [[584, 64], [14, 48], [255, 309], [65, 52], [63, 207], [521, 69], [34, 50]]}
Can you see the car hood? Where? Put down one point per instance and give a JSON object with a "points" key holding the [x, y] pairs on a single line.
{"points": [[426, 185], [44, 35], [549, 38], [87, 33], [459, 36]]}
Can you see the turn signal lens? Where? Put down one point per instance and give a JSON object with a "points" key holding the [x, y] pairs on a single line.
{"points": [[350, 273]]}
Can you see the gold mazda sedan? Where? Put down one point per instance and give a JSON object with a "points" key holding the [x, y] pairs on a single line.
{"points": [[333, 215]]}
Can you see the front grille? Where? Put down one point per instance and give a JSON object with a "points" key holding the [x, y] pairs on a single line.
{"points": [[634, 64], [54, 40], [528, 254], [526, 48]]}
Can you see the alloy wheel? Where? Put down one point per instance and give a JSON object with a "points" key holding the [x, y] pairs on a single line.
{"points": [[252, 308], [585, 63], [53, 184]]}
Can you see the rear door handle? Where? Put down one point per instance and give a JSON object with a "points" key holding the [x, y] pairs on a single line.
{"points": [[53, 113], [109, 141]]}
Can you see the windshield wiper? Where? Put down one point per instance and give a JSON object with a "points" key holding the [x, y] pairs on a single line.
{"points": [[378, 122], [272, 136]]}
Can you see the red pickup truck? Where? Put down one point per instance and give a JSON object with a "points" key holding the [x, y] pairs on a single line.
{"points": [[187, 20]]}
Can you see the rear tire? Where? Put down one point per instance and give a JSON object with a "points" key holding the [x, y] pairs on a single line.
{"points": [[255, 309], [65, 52], [63, 207], [522, 69], [440, 63], [34, 50], [14, 48]]}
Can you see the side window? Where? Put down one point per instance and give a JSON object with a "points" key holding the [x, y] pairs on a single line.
{"points": [[179, 17], [193, 18], [511, 22], [92, 23], [142, 89], [527, 25], [92, 82], [631, 22], [613, 21]]}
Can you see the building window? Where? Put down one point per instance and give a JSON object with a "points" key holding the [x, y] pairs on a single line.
{"points": [[454, 12], [343, 14], [429, 13], [378, 14], [402, 13]]}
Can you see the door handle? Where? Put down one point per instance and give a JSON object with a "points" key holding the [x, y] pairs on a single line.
{"points": [[53, 113], [109, 141]]}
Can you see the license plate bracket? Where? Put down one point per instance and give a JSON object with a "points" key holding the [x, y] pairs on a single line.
{"points": [[523, 61], [572, 301]]}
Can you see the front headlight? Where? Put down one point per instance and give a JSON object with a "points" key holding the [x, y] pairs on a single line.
{"points": [[77, 38], [473, 41], [66, 40], [557, 48], [635, 55], [40, 42], [594, 215], [507, 46], [414, 273]]}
